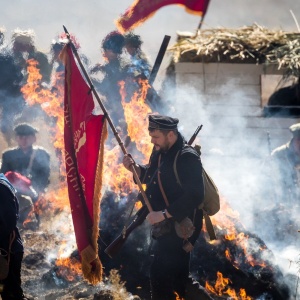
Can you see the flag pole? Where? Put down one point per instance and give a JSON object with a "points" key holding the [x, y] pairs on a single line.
{"points": [[200, 24], [109, 120]]}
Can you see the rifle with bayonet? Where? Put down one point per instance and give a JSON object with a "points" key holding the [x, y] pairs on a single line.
{"points": [[114, 247]]}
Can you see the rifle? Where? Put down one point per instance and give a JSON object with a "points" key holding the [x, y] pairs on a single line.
{"points": [[115, 246], [193, 137]]}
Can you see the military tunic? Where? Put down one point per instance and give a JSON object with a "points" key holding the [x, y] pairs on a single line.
{"points": [[16, 160]]}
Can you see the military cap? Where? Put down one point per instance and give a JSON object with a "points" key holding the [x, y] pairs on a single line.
{"points": [[295, 130], [25, 129], [160, 122]]}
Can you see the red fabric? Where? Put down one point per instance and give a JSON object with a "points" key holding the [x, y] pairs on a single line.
{"points": [[82, 137], [20, 182], [141, 10]]}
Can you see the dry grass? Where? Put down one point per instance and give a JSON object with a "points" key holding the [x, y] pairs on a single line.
{"points": [[248, 44]]}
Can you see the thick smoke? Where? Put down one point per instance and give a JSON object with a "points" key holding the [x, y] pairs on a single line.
{"points": [[235, 152]]}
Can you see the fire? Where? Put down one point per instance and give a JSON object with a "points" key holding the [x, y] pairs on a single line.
{"points": [[178, 297], [221, 288], [68, 268], [50, 100], [135, 115], [138, 205], [115, 175]]}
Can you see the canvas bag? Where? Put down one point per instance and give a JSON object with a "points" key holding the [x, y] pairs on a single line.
{"points": [[211, 201]]}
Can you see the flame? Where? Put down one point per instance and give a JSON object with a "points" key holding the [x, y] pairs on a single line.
{"points": [[135, 113], [50, 100], [115, 175], [68, 268], [138, 205], [221, 288], [178, 297]]}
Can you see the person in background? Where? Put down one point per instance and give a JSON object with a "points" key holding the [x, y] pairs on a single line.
{"points": [[139, 62], [286, 168], [11, 99], [11, 246], [171, 203], [141, 69], [114, 71], [23, 49], [27, 167]]}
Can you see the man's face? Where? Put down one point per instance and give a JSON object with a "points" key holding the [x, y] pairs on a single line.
{"points": [[110, 55], [25, 141], [296, 144], [160, 140], [130, 49], [21, 47]]}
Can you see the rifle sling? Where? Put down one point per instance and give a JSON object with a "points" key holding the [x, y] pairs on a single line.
{"points": [[160, 184]]}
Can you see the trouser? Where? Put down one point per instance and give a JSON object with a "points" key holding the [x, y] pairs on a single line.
{"points": [[12, 284], [169, 272]]}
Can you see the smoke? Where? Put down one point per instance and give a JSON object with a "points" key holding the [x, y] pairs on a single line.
{"points": [[235, 153]]}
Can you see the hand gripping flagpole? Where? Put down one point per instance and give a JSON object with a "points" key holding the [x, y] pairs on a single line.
{"points": [[136, 177]]}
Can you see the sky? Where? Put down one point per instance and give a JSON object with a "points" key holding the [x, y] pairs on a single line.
{"points": [[91, 20]]}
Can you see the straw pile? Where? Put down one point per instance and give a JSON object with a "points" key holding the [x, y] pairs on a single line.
{"points": [[249, 44]]}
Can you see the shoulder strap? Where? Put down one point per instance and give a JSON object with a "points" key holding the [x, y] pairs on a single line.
{"points": [[32, 156], [160, 184], [208, 222], [175, 168]]}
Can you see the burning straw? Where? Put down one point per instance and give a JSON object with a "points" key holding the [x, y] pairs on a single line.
{"points": [[248, 44]]}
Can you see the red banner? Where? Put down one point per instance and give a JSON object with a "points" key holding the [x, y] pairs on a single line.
{"points": [[141, 10], [84, 136]]}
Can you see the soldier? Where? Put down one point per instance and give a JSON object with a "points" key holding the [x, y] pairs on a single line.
{"points": [[286, 162], [28, 168], [172, 204], [115, 70], [23, 49], [11, 246], [141, 69], [11, 99]]}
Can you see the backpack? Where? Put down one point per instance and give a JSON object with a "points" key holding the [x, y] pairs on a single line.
{"points": [[211, 201]]}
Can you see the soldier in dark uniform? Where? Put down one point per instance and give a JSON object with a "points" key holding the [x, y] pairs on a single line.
{"points": [[10, 287], [115, 70], [170, 251], [27, 163], [11, 99]]}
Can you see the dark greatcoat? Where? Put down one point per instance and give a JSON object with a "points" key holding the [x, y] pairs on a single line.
{"points": [[8, 221], [170, 266], [16, 160]]}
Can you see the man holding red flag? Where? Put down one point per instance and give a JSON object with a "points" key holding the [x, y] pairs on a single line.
{"points": [[84, 135], [141, 10]]}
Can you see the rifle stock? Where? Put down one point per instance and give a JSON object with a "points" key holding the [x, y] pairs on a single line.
{"points": [[114, 247]]}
